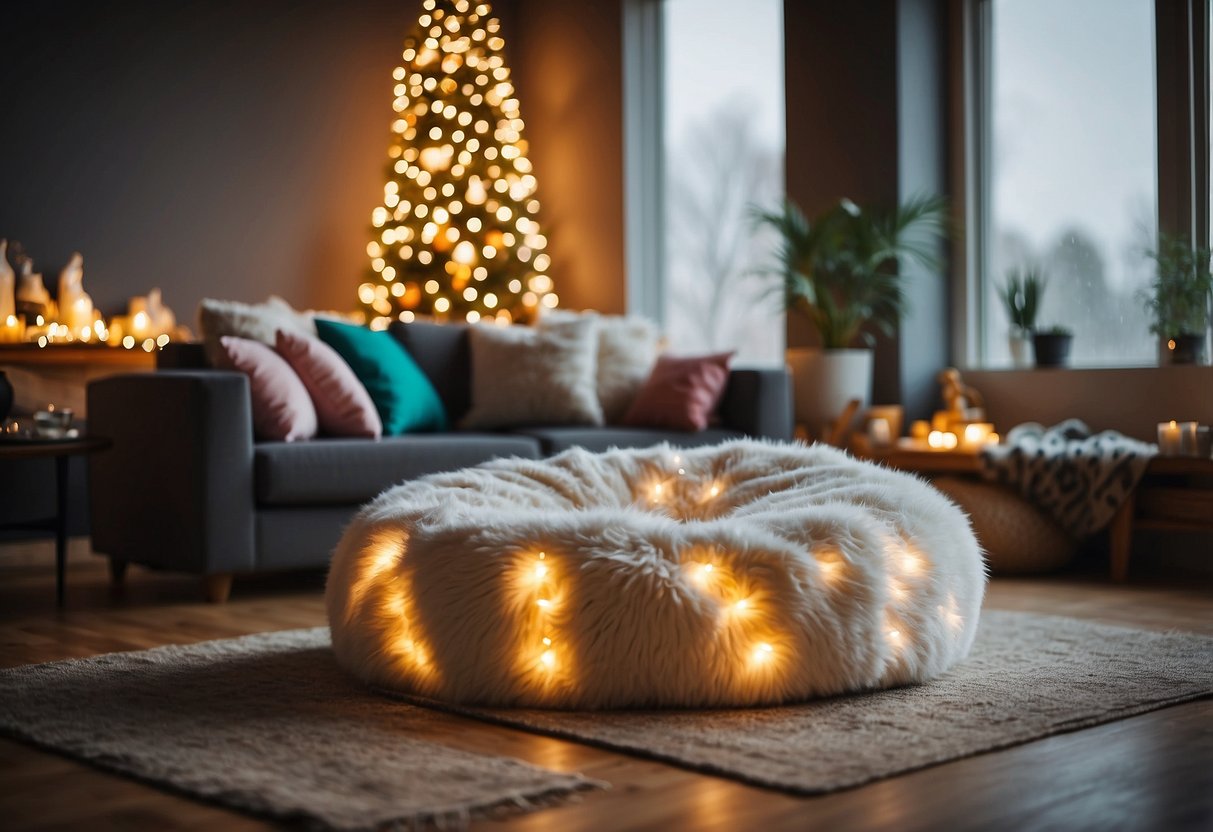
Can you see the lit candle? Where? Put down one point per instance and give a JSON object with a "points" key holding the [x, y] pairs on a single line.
{"points": [[1169, 438], [938, 440], [12, 330], [976, 433]]}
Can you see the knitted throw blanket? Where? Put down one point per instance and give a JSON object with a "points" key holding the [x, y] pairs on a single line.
{"points": [[1080, 479]]}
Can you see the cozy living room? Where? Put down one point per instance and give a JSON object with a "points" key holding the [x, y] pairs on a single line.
{"points": [[629, 414]]}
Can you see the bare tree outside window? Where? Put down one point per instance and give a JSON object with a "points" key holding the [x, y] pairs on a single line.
{"points": [[723, 147], [717, 300], [1073, 183]]}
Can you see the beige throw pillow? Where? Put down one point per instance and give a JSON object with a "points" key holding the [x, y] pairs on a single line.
{"points": [[253, 321], [534, 376], [627, 352]]}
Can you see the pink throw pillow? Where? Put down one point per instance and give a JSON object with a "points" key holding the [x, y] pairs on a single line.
{"points": [[282, 409], [343, 406], [681, 393]]}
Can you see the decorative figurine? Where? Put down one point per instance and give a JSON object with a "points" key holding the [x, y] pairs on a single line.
{"points": [[8, 282], [961, 402], [32, 298], [75, 305]]}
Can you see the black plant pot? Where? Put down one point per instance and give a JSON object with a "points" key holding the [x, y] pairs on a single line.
{"points": [[1188, 349], [6, 396], [1052, 349]]}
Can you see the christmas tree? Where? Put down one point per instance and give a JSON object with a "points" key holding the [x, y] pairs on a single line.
{"points": [[456, 236]]}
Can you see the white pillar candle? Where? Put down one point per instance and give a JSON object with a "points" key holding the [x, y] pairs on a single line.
{"points": [[879, 432], [1168, 438]]}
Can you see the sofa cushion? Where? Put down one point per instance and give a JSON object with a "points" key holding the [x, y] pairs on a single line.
{"points": [[282, 408], [681, 393], [332, 471], [404, 397], [553, 440], [444, 354], [522, 375]]}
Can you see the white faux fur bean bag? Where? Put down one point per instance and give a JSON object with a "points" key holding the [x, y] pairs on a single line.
{"points": [[742, 574]]}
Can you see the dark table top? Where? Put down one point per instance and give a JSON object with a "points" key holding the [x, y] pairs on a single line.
{"points": [[32, 448]]}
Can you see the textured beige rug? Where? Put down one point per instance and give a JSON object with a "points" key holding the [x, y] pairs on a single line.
{"points": [[1029, 676], [266, 724]]}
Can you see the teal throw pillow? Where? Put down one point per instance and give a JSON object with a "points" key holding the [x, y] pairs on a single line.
{"points": [[404, 397]]}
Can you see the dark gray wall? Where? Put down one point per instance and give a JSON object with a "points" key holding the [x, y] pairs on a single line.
{"points": [[219, 148]]}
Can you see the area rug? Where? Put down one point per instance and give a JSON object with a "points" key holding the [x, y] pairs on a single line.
{"points": [[265, 724], [1028, 677]]}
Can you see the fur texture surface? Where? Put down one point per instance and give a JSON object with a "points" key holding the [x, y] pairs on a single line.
{"points": [[554, 368], [747, 573]]}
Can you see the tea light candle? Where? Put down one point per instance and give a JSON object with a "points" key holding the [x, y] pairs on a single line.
{"points": [[977, 433], [12, 329], [880, 432], [938, 440], [1169, 438]]}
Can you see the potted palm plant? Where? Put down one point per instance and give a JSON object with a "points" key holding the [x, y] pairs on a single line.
{"points": [[1179, 297], [1021, 296], [840, 272]]}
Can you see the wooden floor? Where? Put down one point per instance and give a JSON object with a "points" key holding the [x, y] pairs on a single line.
{"points": [[1153, 771]]}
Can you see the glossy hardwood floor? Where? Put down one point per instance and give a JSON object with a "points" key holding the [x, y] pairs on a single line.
{"points": [[1153, 771]]}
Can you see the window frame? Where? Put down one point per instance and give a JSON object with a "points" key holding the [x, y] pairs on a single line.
{"points": [[1182, 79]]}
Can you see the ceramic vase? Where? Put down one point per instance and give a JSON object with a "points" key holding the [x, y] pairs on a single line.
{"points": [[824, 381]]}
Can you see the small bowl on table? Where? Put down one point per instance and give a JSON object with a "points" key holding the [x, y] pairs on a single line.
{"points": [[53, 423]]}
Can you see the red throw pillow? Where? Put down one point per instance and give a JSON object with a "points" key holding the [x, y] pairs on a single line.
{"points": [[681, 393]]}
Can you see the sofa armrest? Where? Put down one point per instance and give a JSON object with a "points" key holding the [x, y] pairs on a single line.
{"points": [[175, 490], [758, 402]]}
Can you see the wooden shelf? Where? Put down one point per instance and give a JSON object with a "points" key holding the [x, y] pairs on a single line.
{"points": [[74, 355]]}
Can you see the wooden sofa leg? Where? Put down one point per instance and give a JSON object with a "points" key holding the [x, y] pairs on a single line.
{"points": [[117, 572], [218, 587]]}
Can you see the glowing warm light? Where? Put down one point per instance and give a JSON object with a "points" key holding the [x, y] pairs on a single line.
{"points": [[941, 440], [548, 658], [742, 605], [544, 603], [541, 572], [763, 652], [458, 147]]}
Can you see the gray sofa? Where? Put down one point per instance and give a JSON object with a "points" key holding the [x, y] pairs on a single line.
{"points": [[187, 487]]}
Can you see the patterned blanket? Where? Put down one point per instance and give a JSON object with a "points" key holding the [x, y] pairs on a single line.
{"points": [[1079, 478]]}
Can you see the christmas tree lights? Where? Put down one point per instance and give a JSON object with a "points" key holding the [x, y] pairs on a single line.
{"points": [[456, 236]]}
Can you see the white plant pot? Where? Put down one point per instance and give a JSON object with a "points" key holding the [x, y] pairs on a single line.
{"points": [[824, 381], [1020, 343]]}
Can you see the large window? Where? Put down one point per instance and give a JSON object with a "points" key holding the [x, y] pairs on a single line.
{"points": [[1070, 184], [716, 134]]}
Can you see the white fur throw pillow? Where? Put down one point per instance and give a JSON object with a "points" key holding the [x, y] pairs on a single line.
{"points": [[525, 375], [627, 351], [254, 321]]}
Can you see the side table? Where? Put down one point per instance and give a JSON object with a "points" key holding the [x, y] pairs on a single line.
{"points": [[61, 450], [1175, 494]]}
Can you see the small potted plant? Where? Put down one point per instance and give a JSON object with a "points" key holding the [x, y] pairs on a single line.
{"points": [[1021, 296], [1179, 297], [839, 271], [1052, 346]]}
